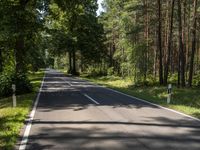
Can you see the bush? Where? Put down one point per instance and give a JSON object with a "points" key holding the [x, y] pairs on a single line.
{"points": [[95, 72], [196, 80], [110, 71], [23, 85], [173, 78], [5, 84]]}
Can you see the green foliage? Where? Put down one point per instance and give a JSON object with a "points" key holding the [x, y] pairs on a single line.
{"points": [[23, 84], [36, 56], [126, 47], [173, 78], [6, 84], [196, 80], [131, 29], [110, 71], [21, 43], [75, 30], [21, 81], [95, 72]]}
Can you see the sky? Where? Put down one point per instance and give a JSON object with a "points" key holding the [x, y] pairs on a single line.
{"points": [[100, 7]]}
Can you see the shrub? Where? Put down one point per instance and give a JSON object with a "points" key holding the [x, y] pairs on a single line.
{"points": [[5, 84], [23, 85], [173, 78], [196, 80], [95, 72], [110, 71]]}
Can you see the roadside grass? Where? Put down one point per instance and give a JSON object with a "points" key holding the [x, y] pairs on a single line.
{"points": [[183, 99], [12, 119]]}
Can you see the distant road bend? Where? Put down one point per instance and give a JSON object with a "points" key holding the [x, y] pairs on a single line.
{"points": [[73, 114]]}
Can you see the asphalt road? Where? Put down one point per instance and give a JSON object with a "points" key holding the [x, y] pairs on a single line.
{"points": [[73, 114]]}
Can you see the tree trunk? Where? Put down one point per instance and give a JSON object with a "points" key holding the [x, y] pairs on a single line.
{"points": [[146, 37], [160, 43], [193, 43], [187, 41], [184, 44], [70, 62], [166, 72], [110, 55], [19, 55], [74, 72], [19, 50], [1, 61], [181, 47]]}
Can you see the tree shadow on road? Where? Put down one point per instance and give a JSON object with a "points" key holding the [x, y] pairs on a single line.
{"points": [[114, 135]]}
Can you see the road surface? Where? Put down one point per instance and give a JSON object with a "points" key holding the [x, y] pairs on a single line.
{"points": [[73, 114]]}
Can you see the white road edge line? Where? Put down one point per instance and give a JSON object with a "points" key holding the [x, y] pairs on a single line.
{"points": [[159, 106], [31, 116], [90, 98], [57, 88]]}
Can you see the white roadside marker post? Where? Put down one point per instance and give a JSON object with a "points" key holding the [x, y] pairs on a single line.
{"points": [[169, 91], [14, 95]]}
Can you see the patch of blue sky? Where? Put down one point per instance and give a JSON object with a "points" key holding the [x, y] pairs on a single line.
{"points": [[100, 9]]}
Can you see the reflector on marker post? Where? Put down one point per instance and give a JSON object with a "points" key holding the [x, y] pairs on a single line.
{"points": [[169, 91]]}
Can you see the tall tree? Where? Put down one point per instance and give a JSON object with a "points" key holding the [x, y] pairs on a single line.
{"points": [[1, 60], [76, 31], [170, 37], [181, 72], [193, 43], [160, 42], [20, 32]]}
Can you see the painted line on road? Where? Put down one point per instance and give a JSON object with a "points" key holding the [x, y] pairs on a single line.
{"points": [[67, 82], [53, 82], [31, 116], [56, 88], [159, 106], [90, 98]]}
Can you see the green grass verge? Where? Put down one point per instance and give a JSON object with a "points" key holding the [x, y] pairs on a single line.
{"points": [[183, 100], [12, 119]]}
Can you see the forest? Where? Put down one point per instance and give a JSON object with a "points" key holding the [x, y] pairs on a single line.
{"points": [[150, 41], [135, 46], [154, 40]]}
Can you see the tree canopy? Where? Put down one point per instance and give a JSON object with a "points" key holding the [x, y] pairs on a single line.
{"points": [[149, 41]]}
